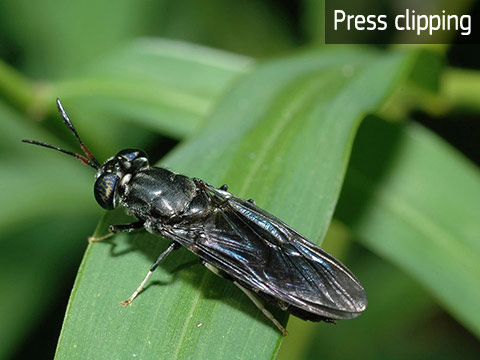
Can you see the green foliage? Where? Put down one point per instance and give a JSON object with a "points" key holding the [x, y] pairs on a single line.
{"points": [[264, 139], [281, 131], [399, 212]]}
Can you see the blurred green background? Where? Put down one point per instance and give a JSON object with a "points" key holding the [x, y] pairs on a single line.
{"points": [[155, 74]]}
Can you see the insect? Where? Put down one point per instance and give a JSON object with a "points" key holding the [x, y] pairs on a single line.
{"points": [[233, 237]]}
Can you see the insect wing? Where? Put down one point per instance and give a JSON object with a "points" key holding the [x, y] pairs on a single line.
{"points": [[261, 251]]}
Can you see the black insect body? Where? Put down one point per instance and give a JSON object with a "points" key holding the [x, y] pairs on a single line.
{"points": [[233, 237]]}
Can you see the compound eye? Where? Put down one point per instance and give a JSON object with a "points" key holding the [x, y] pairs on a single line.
{"points": [[132, 154], [104, 191]]}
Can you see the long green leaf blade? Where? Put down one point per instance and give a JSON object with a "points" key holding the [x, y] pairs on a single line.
{"points": [[415, 201], [282, 136], [167, 86]]}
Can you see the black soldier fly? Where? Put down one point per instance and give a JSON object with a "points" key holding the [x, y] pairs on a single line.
{"points": [[233, 237]]}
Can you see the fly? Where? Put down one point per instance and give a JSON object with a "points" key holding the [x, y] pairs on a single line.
{"points": [[233, 237]]}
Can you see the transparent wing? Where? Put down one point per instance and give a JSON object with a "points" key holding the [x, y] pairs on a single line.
{"points": [[261, 251]]}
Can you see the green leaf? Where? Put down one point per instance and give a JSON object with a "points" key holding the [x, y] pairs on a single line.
{"points": [[415, 201], [282, 135], [68, 34], [47, 251], [166, 85], [34, 173], [389, 308], [42, 224], [461, 88], [159, 63], [251, 27]]}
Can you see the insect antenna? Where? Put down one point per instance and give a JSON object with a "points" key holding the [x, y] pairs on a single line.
{"points": [[88, 160], [81, 158], [68, 123]]}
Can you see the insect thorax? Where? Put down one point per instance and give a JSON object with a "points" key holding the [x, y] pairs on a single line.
{"points": [[161, 194]]}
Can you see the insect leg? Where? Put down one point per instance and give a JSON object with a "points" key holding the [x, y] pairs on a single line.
{"points": [[137, 225], [260, 306], [161, 257], [92, 239]]}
